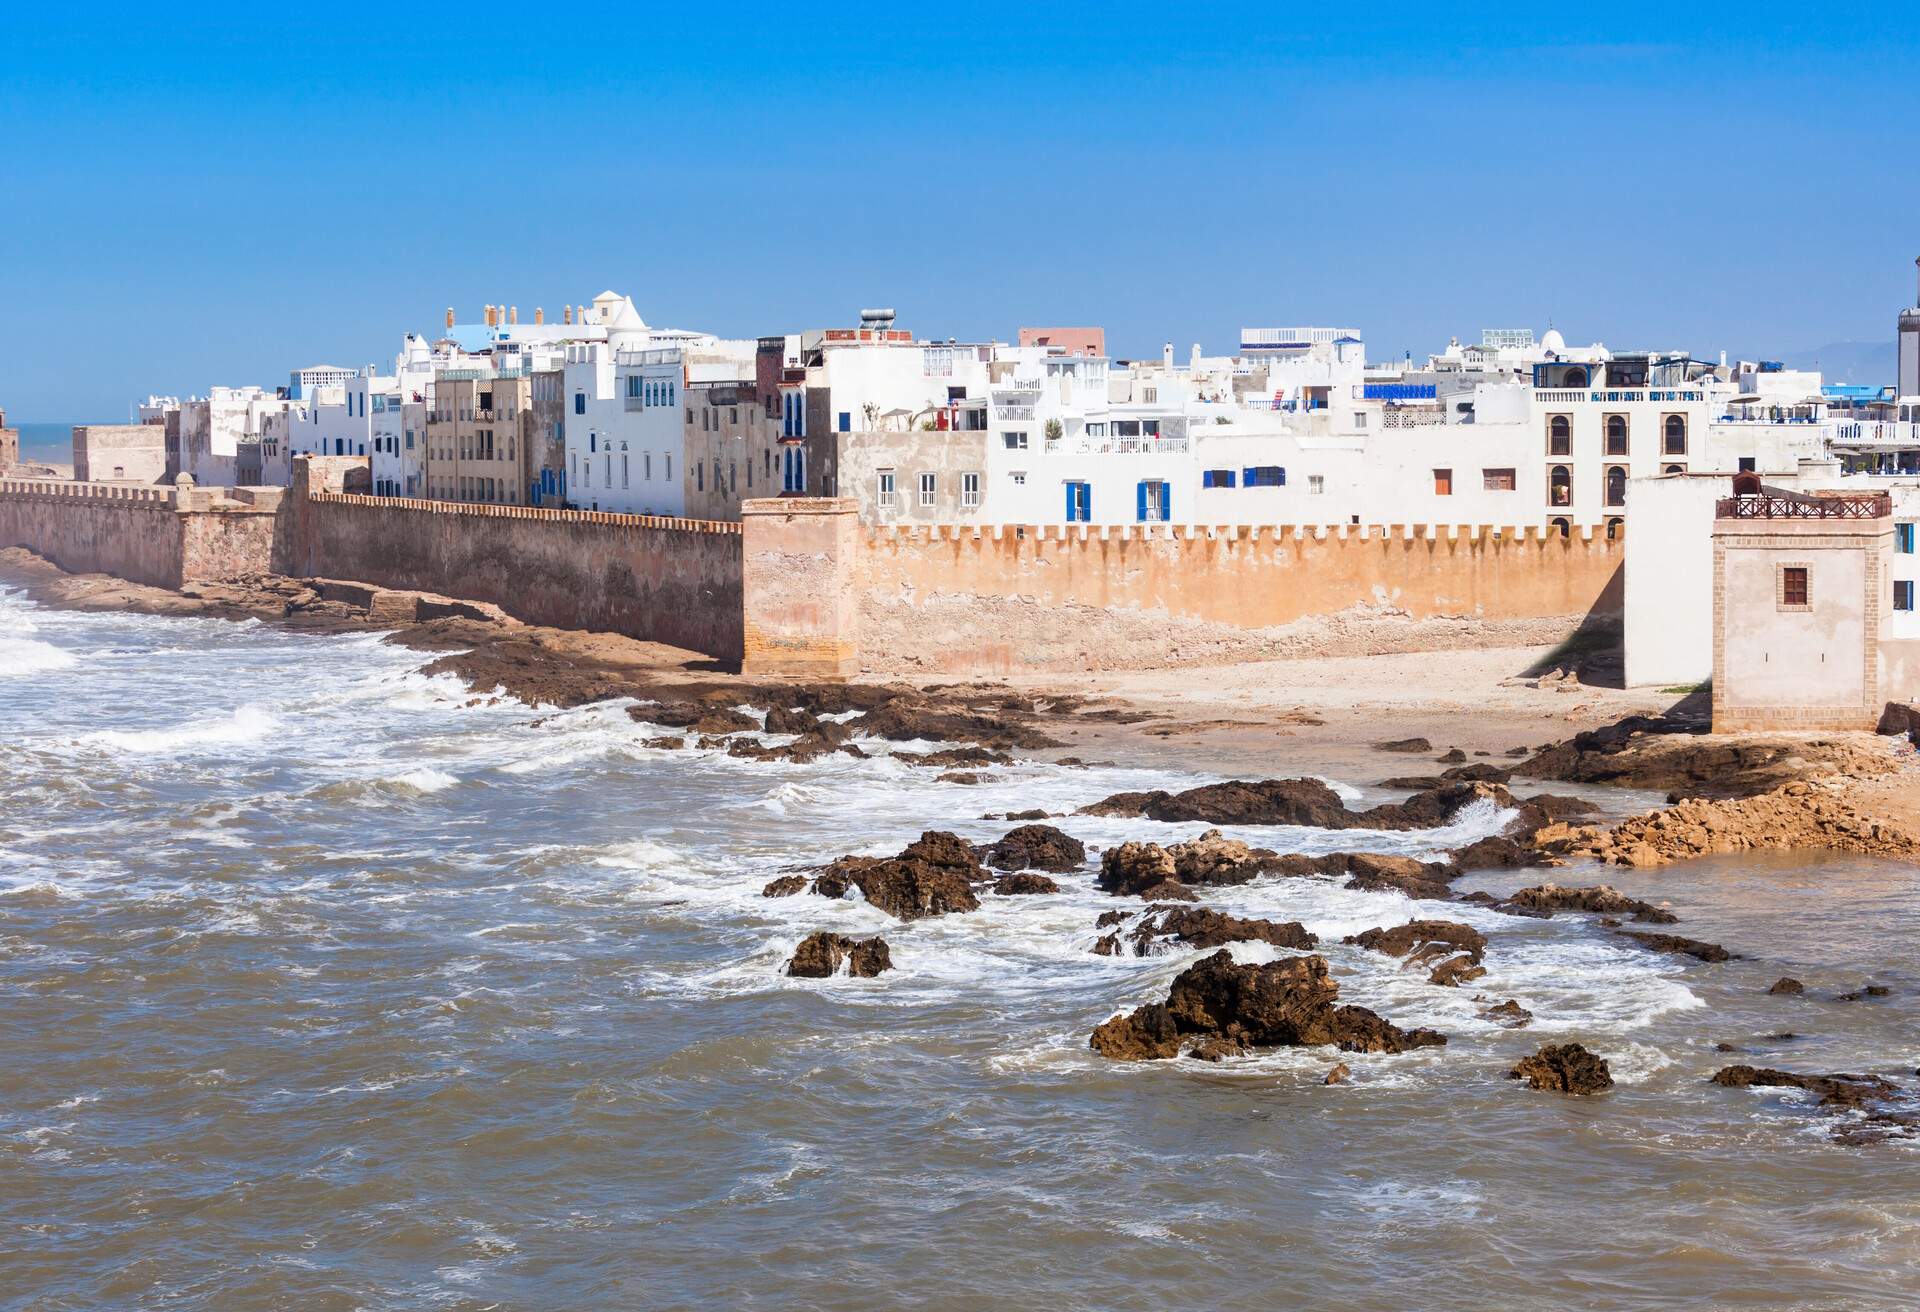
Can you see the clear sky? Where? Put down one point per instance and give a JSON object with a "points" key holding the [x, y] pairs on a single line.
{"points": [[193, 195]]}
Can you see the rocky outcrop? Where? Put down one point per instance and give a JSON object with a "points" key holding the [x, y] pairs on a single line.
{"points": [[1160, 927], [1509, 1013], [1787, 985], [1037, 847], [785, 886], [1672, 755], [819, 956], [1686, 947], [1601, 898], [1219, 1008], [1409, 746], [1024, 885], [1145, 870], [948, 758], [933, 876], [1564, 1068], [1451, 950], [1867, 1107], [1494, 854], [1307, 802], [1215, 859], [782, 719], [905, 718], [1796, 815]]}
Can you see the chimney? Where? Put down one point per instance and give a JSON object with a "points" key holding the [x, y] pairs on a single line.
{"points": [[449, 316], [539, 315], [567, 312], [1166, 355], [513, 314]]}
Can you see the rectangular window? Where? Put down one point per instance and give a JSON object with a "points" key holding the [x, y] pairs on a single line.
{"points": [[928, 486], [1497, 480], [1264, 476], [1443, 482], [1903, 539], [970, 489], [1019, 477], [579, 403], [1745, 465], [1152, 502], [1902, 594], [1316, 485], [1217, 478], [623, 469], [1794, 591], [1014, 441], [846, 421], [888, 497], [699, 478], [1079, 503], [1149, 395]]}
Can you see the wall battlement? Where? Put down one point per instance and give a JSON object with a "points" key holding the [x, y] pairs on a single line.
{"points": [[877, 533], [542, 513]]}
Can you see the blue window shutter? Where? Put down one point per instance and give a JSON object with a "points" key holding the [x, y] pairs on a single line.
{"points": [[846, 421], [1283, 476], [1166, 501], [1247, 477], [1069, 503], [1140, 502]]}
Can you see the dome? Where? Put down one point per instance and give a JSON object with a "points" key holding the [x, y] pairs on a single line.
{"points": [[1554, 342]]}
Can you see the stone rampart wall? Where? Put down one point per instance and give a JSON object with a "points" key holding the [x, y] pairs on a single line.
{"points": [[157, 536]]}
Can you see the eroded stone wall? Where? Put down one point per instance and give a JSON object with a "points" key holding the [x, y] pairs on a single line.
{"points": [[157, 536]]}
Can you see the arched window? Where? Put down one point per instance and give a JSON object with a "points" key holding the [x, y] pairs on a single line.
{"points": [[1559, 436], [1674, 436], [1616, 435], [1613, 528], [1563, 528], [1576, 378], [1674, 469], [1616, 485], [1560, 486]]}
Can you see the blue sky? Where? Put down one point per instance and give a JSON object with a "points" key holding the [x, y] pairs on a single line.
{"points": [[201, 195]]}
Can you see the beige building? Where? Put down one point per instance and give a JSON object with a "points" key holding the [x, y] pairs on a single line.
{"points": [[1802, 595], [9, 444], [732, 448], [120, 453], [478, 436]]}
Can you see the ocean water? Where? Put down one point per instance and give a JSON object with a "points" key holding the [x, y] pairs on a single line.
{"points": [[50, 443], [322, 988]]}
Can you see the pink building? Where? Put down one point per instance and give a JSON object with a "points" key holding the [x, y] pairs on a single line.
{"points": [[1074, 341]]}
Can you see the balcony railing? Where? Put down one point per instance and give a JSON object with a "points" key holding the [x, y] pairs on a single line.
{"points": [[1865, 505]]}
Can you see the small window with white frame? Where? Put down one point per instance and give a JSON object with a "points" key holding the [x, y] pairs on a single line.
{"points": [[929, 487], [1316, 485], [889, 497], [969, 490]]}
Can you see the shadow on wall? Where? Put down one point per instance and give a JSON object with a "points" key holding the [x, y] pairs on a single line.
{"points": [[1594, 652]]}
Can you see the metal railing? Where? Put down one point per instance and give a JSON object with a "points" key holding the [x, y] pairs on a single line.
{"points": [[1868, 505]]}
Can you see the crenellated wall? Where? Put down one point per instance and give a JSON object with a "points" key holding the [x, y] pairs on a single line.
{"points": [[160, 536], [675, 581]]}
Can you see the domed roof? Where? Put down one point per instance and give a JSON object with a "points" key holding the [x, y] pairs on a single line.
{"points": [[1553, 341]]}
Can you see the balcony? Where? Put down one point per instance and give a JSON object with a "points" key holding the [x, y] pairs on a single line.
{"points": [[1767, 505]]}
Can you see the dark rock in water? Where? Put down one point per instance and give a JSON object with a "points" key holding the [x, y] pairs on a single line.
{"points": [[1863, 993], [913, 890], [1686, 947], [953, 758], [1493, 854], [782, 720], [1564, 1068], [723, 720], [1517, 753], [1423, 941], [1168, 890], [1408, 745], [1454, 756], [1025, 883], [1602, 898], [937, 847], [785, 886], [1214, 859], [1416, 782], [1339, 1074], [1035, 814], [904, 719], [1509, 1013], [1787, 984], [1543, 809], [1222, 1008], [819, 956], [1296, 802], [1401, 874], [1478, 772], [1724, 1047], [1457, 970], [1131, 868], [1037, 847], [664, 744], [958, 777], [1860, 1101], [672, 715], [1199, 927]]}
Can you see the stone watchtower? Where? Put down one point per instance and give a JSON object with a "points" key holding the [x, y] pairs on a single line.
{"points": [[9, 444]]}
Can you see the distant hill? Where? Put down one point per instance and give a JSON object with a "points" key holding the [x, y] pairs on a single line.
{"points": [[1871, 364]]}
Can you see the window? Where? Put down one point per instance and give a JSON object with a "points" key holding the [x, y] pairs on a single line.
{"points": [[1794, 588], [579, 403], [1616, 428], [1903, 539], [1149, 395], [1559, 435], [970, 489], [846, 421], [1014, 441], [699, 478], [1316, 485], [793, 470], [623, 469], [928, 485], [1673, 435], [1443, 482], [1616, 485], [1563, 528], [1217, 478], [1153, 501], [1080, 503], [1560, 486], [1902, 594], [1613, 528], [1263, 476], [1019, 477], [888, 497], [1674, 469], [1497, 480], [1744, 465]]}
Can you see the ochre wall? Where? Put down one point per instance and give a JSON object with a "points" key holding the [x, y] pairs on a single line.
{"points": [[135, 533], [798, 587], [675, 581], [1052, 598]]}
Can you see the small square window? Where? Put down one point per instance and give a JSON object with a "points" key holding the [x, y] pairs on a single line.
{"points": [[1903, 594], [1795, 588]]}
